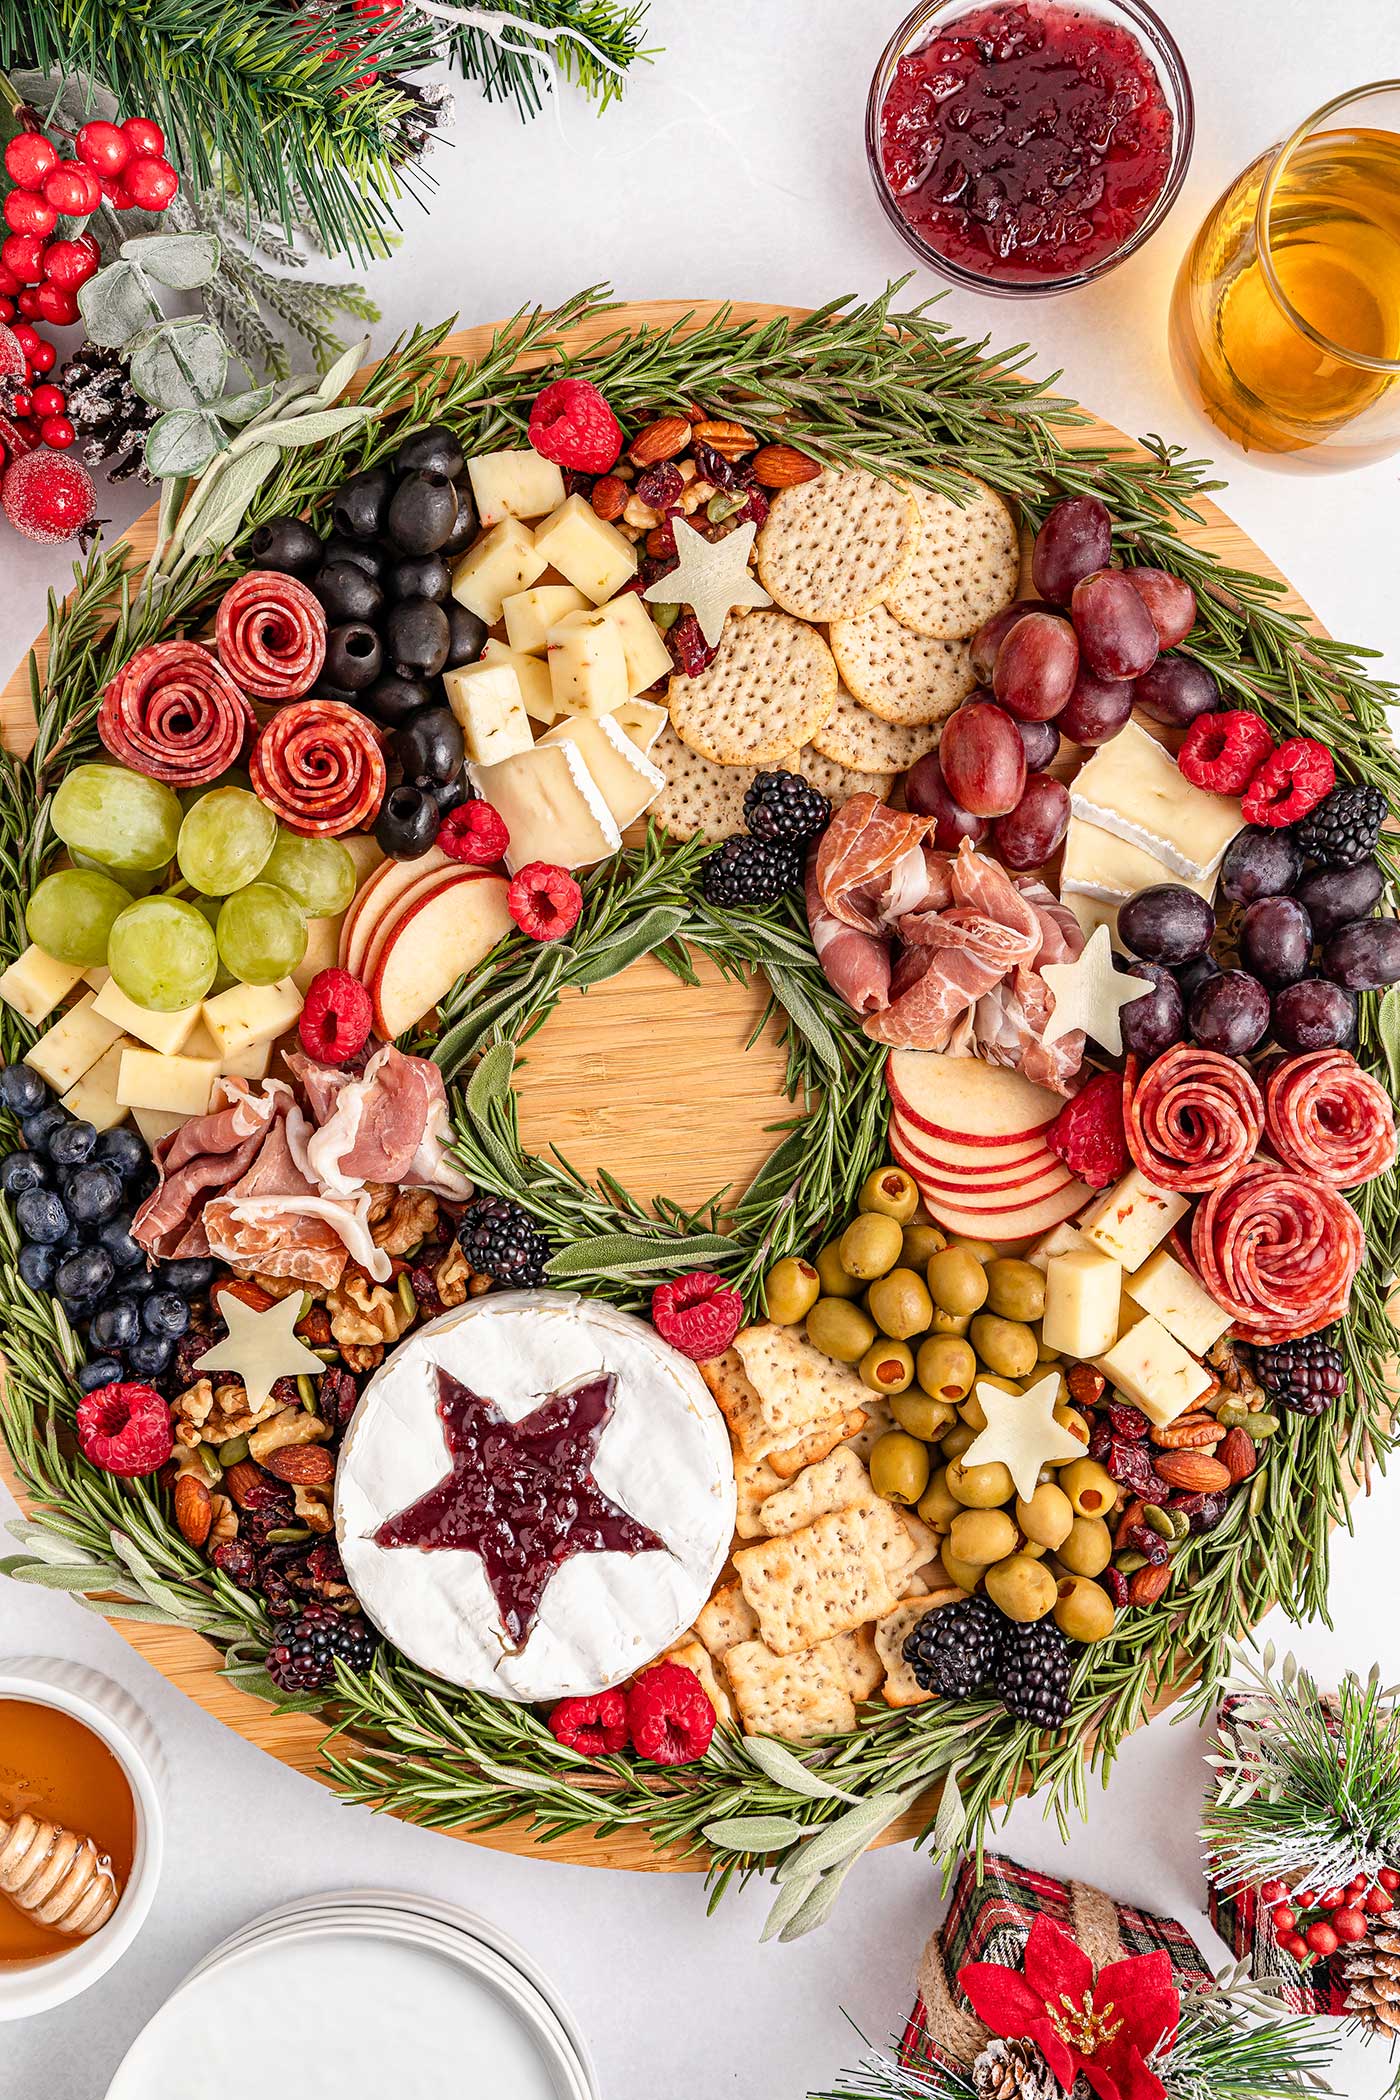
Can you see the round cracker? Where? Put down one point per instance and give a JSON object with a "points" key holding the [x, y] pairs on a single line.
{"points": [[901, 676], [863, 742], [771, 686], [965, 567], [699, 796], [837, 782], [833, 547]]}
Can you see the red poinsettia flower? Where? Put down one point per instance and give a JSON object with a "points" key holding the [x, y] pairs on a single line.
{"points": [[1104, 2025]]}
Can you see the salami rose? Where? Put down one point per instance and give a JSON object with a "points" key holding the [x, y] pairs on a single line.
{"points": [[318, 766], [1327, 1117], [271, 634], [1278, 1251], [1192, 1119], [175, 713]]}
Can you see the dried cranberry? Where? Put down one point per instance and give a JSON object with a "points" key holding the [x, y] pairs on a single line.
{"points": [[425, 1291], [286, 1393], [654, 568], [1128, 1421], [661, 540], [1143, 1539], [661, 486], [1116, 1583], [1131, 1467], [577, 483], [712, 466], [1202, 1511], [192, 1344], [274, 1582], [689, 647], [755, 511], [325, 1566], [1100, 1440], [337, 1397], [235, 1558]]}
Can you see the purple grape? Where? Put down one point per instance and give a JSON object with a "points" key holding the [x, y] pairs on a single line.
{"points": [[1174, 691], [992, 633], [1193, 973], [1260, 863], [1333, 897], [926, 793], [1076, 539], [1228, 1013], [1364, 955], [1276, 939], [1097, 708], [1171, 603], [1116, 632], [1153, 1023], [1166, 924], [1035, 667], [1314, 1015], [1042, 741], [1033, 830]]}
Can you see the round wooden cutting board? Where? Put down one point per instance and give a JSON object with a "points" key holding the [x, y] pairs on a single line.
{"points": [[644, 1077]]}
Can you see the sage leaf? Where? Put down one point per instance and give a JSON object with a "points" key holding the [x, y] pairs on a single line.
{"points": [[183, 261], [849, 1835], [182, 441], [289, 433], [951, 1820], [116, 304], [816, 1907], [44, 1575], [1388, 1022], [490, 1082], [800, 1009], [238, 410], [335, 381], [785, 1768], [216, 521], [787, 1904], [658, 925], [624, 1254], [182, 364], [49, 1545], [753, 1833]]}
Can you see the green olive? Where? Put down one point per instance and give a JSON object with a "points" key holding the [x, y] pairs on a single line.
{"points": [[1003, 1345], [1032, 1548], [947, 1366], [1083, 1611], [891, 1193], [1070, 1418], [870, 1245], [1048, 1518], [899, 1466], [982, 1251], [1021, 1587], [957, 1280], [922, 1415], [900, 1304], [1090, 1487], [1015, 1289], [965, 1573], [1044, 1354], [834, 1280], [1088, 1548], [887, 1367], [921, 1243], [949, 1323], [936, 1506], [957, 1440], [840, 1329], [982, 1536], [980, 1487], [792, 1289]]}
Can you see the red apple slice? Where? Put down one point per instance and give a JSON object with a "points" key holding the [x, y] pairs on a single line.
{"points": [[996, 1163], [434, 942], [387, 919], [1022, 1220], [994, 1191], [966, 1100], [379, 892]]}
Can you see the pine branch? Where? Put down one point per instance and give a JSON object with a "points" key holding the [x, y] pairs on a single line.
{"points": [[592, 45]]}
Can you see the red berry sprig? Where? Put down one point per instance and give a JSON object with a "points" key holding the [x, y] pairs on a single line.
{"points": [[1311, 1924]]}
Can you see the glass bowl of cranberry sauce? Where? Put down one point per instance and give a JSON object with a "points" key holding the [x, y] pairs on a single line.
{"points": [[1023, 146]]}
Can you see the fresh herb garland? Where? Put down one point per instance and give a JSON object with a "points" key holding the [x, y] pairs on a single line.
{"points": [[860, 385]]}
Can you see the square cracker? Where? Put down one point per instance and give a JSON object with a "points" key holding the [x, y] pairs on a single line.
{"points": [[793, 1696], [836, 1574], [799, 1390], [788, 1464], [864, 1666], [754, 1481], [835, 1482], [726, 1620], [879, 1417], [691, 1655], [788, 1448], [891, 1630]]}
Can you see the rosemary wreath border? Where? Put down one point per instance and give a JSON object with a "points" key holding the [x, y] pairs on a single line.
{"points": [[863, 386]]}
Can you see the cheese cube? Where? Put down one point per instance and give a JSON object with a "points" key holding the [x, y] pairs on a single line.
{"points": [[250, 1063], [73, 1045], [35, 983], [1185, 1307], [532, 676], [322, 951], [1082, 1290], [250, 1013], [179, 1085], [503, 560], [1130, 1219], [648, 658], [1155, 1372], [487, 701], [641, 720], [551, 806], [1060, 1239], [519, 484], [1093, 912], [627, 781], [585, 550], [1133, 787], [165, 1032], [94, 1098], [588, 664], [529, 615], [156, 1123], [1100, 865]]}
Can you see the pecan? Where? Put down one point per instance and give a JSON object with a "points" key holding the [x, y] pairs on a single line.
{"points": [[1195, 1471], [194, 1509], [1086, 1385], [667, 437], [302, 1465], [783, 467], [1193, 1432], [730, 440], [1238, 1455], [1149, 1585], [609, 497]]}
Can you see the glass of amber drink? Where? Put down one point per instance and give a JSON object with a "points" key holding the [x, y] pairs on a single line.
{"points": [[1285, 321]]}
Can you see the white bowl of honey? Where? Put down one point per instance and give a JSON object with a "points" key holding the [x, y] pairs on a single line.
{"points": [[81, 1829]]}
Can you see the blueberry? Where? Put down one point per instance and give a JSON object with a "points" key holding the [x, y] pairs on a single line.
{"points": [[144, 1182], [116, 1324], [20, 1171], [72, 1143], [115, 1236], [122, 1149], [37, 1264], [22, 1091], [40, 1216], [100, 1370], [93, 1194], [150, 1354], [84, 1276], [189, 1278], [38, 1128], [138, 1283], [165, 1312]]}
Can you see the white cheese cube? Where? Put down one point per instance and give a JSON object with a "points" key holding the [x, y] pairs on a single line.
{"points": [[1185, 1307], [503, 560], [532, 676], [551, 806], [1129, 1220], [585, 550], [1108, 869], [1060, 1239], [35, 983], [94, 1098], [1155, 1372], [73, 1045], [156, 1123], [1082, 1290], [322, 951], [487, 701], [648, 658], [250, 1013], [165, 1032], [1133, 787], [250, 1063], [1093, 912], [519, 484], [529, 615], [588, 664], [641, 720], [627, 781], [180, 1085], [96, 974]]}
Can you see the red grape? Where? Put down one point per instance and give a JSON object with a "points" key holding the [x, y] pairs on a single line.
{"points": [[1115, 629], [1171, 603], [1362, 956], [1076, 539], [1035, 667], [992, 633], [926, 793], [1230, 1013], [1155, 1021], [983, 759], [1041, 740], [1174, 691], [1096, 709], [1030, 833]]}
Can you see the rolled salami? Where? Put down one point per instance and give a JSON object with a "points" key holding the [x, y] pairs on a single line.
{"points": [[1192, 1118], [1327, 1117], [318, 766], [1278, 1251], [271, 635], [175, 714]]}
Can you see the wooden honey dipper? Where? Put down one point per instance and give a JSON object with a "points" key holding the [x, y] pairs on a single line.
{"points": [[55, 1876]]}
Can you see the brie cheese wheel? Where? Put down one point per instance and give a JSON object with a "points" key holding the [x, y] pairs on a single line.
{"points": [[663, 1457]]}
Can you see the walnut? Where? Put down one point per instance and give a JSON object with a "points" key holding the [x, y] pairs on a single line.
{"points": [[381, 1197], [364, 1314], [363, 1356], [293, 1425], [1237, 1381], [411, 1219], [279, 1286], [313, 1507], [210, 1414], [223, 1524], [452, 1276]]}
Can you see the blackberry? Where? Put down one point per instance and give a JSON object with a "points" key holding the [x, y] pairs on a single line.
{"points": [[954, 1649], [1344, 827], [1032, 1673], [1305, 1377], [500, 1241], [751, 871], [304, 1659], [785, 806]]}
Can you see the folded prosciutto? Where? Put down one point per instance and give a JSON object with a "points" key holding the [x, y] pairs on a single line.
{"points": [[389, 1123], [277, 1220], [204, 1156]]}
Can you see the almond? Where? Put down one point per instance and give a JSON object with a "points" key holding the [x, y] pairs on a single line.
{"points": [[1238, 1455], [1149, 1585], [314, 1328], [1086, 1385], [245, 1290], [1131, 1514], [1193, 1432], [242, 1481], [1194, 1472], [783, 467], [663, 439], [194, 1509], [609, 497], [730, 440], [304, 1465]]}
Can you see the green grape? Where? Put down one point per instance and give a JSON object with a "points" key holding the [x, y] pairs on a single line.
{"points": [[71, 914], [319, 873], [223, 978], [225, 840], [120, 818], [262, 933], [162, 953], [234, 778], [137, 882]]}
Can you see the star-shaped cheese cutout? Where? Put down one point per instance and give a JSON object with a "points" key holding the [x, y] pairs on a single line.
{"points": [[1090, 993], [259, 1346], [713, 577], [1022, 1433]]}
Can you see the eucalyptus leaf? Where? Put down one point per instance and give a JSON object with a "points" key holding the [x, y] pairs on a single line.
{"points": [[753, 1833], [116, 304], [182, 441], [238, 410], [786, 1769], [182, 364], [181, 261], [218, 520]]}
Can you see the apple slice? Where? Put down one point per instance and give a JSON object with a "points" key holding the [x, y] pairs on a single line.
{"points": [[967, 1100], [993, 1190], [993, 1163], [434, 942], [388, 918], [1021, 1221], [377, 894]]}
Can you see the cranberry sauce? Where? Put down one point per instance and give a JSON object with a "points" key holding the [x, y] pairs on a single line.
{"points": [[521, 1494], [1026, 141]]}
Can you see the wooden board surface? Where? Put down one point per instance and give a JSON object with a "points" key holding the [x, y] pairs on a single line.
{"points": [[642, 1076]]}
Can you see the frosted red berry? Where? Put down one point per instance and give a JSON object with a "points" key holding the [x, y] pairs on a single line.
{"points": [[57, 306], [1389, 1878], [1088, 1132], [48, 496], [58, 432], [595, 1726], [103, 147], [699, 1315], [143, 136], [1295, 1945], [336, 1019], [1377, 1902], [1223, 752], [1290, 783], [1304, 1899], [474, 833], [29, 159], [544, 901], [125, 1429], [69, 264], [1321, 1939], [670, 1716], [43, 357], [572, 424], [150, 183], [1274, 1891], [1284, 1918], [1350, 1924], [28, 302], [48, 401], [27, 213], [1330, 1898], [73, 189]]}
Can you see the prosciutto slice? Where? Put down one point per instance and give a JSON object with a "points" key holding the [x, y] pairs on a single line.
{"points": [[277, 1220], [859, 851], [203, 1157], [390, 1124], [856, 964]]}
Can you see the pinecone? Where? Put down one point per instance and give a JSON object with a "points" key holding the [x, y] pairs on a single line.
{"points": [[108, 414], [1013, 2071], [1371, 1970]]}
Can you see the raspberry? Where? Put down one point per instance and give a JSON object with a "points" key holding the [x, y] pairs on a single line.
{"points": [[1088, 1132], [670, 1717], [125, 1429], [1290, 783], [474, 832], [544, 901], [572, 424], [336, 1020], [595, 1727], [1223, 752], [699, 1315]]}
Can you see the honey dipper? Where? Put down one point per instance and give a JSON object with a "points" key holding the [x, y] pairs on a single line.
{"points": [[55, 1876]]}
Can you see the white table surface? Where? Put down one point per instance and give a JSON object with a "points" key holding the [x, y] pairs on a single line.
{"points": [[736, 167]]}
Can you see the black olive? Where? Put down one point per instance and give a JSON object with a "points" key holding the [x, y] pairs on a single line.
{"points": [[392, 699], [419, 576], [408, 823], [467, 636], [433, 450], [446, 793], [361, 504], [347, 593], [353, 656], [416, 635], [364, 553], [430, 743], [422, 513], [465, 529], [288, 545], [341, 694]]}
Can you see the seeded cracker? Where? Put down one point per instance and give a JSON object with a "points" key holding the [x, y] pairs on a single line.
{"points": [[837, 782], [836, 1574], [726, 1620], [754, 1481], [835, 1482], [770, 688], [899, 676], [902, 1687], [795, 1697], [755, 1436], [834, 547], [965, 566], [690, 1655], [698, 795], [799, 1390], [857, 739]]}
